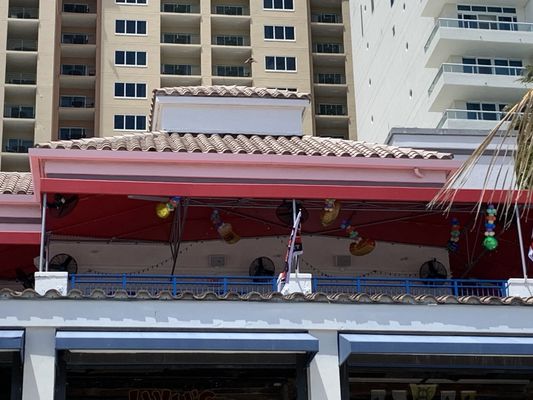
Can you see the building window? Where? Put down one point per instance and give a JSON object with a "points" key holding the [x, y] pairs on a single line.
{"points": [[280, 63], [72, 133], [489, 66], [130, 122], [130, 27], [133, 2], [278, 4], [485, 111], [487, 17], [130, 58], [279, 32], [130, 90]]}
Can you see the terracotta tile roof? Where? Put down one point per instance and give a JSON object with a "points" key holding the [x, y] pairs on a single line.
{"points": [[243, 144], [343, 298], [230, 91], [16, 183]]}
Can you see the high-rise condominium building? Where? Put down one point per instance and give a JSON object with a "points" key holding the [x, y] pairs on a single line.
{"points": [[85, 68], [438, 63]]}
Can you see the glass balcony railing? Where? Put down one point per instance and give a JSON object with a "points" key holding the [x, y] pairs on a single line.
{"points": [[331, 109], [180, 8], [77, 38], [23, 13], [21, 78], [471, 115], [330, 48], [22, 44], [327, 18], [330, 79], [77, 70], [477, 69], [76, 8], [180, 69], [72, 133], [18, 145], [231, 70], [76, 102], [180, 38], [477, 24], [17, 111], [230, 40], [231, 10]]}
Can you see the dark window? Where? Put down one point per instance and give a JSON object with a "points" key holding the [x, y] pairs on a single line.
{"points": [[269, 61], [141, 122], [119, 122], [141, 90], [141, 27], [280, 63], [141, 58], [119, 89], [279, 32], [130, 90], [131, 26], [289, 33], [119, 57], [120, 26], [130, 58], [269, 32], [291, 64], [267, 4], [130, 122]]}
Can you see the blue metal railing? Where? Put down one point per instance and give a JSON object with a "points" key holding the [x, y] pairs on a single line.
{"points": [[174, 284], [396, 286], [154, 284]]}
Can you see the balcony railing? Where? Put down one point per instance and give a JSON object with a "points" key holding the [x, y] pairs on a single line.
{"points": [[76, 102], [330, 48], [327, 18], [180, 8], [77, 70], [180, 38], [476, 24], [12, 111], [76, 8], [477, 69], [18, 145], [77, 38], [23, 12], [22, 44], [180, 69], [222, 285], [393, 286], [331, 109], [73, 133], [21, 78], [471, 115], [330, 79], [231, 10], [155, 284], [230, 40], [231, 70]]}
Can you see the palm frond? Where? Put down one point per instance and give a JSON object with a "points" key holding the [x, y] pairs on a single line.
{"points": [[511, 139]]}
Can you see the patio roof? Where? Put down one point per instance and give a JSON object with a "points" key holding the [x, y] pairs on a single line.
{"points": [[16, 183], [244, 144]]}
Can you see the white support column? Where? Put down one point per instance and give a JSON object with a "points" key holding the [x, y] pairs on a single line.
{"points": [[324, 371], [39, 364]]}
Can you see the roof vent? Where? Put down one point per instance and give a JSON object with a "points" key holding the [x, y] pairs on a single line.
{"points": [[229, 110]]}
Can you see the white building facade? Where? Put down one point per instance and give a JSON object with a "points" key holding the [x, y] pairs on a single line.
{"points": [[438, 63]]}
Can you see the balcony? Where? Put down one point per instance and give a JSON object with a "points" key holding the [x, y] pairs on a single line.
{"points": [[457, 36], [23, 13], [180, 38], [180, 8], [180, 75], [232, 75], [482, 82], [18, 146], [175, 285], [77, 70], [330, 84], [471, 119], [180, 69], [77, 76], [21, 45], [77, 108], [73, 133], [79, 15], [230, 40], [231, 47], [19, 111], [21, 78], [76, 8], [327, 24], [231, 10], [78, 45], [329, 55]]}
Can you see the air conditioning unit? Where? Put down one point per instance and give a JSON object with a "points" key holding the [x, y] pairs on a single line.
{"points": [[342, 261], [217, 260]]}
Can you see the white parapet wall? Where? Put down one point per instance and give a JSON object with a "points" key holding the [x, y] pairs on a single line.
{"points": [[520, 287], [45, 281], [299, 283]]}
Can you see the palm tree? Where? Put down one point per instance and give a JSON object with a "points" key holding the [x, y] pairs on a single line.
{"points": [[512, 138]]}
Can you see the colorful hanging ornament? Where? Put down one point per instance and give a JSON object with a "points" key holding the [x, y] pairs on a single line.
{"points": [[330, 212], [163, 210], [455, 232], [360, 246], [490, 242], [225, 230]]}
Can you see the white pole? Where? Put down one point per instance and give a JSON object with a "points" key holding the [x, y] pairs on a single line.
{"points": [[43, 230], [521, 242]]}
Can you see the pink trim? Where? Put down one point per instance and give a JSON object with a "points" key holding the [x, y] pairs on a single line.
{"points": [[20, 237]]}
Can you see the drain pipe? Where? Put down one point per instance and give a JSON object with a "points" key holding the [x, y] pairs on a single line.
{"points": [[43, 230]]}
